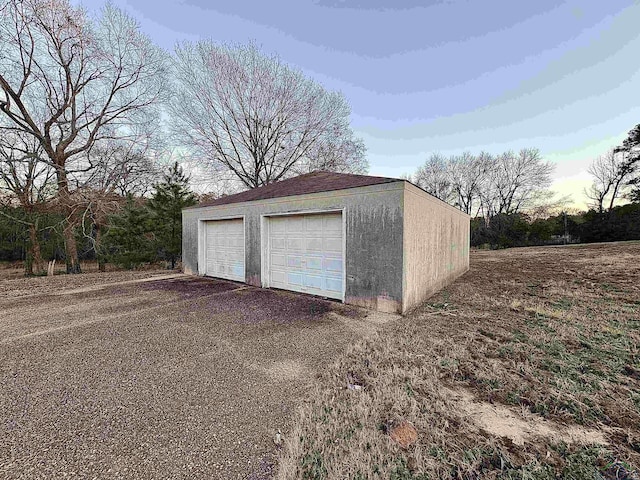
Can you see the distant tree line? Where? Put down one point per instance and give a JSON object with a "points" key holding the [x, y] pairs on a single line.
{"points": [[508, 197], [131, 231], [486, 185], [518, 230]]}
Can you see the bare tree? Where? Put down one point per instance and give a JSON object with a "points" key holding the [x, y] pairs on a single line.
{"points": [[119, 168], [602, 169], [29, 181], [104, 177], [71, 82], [547, 203], [611, 174], [339, 152], [518, 178], [433, 177], [487, 184], [467, 173], [253, 115]]}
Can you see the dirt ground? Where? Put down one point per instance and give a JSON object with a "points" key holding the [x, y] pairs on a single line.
{"points": [[527, 367], [104, 376], [15, 270]]}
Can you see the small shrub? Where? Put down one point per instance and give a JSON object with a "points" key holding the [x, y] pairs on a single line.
{"points": [[313, 466]]}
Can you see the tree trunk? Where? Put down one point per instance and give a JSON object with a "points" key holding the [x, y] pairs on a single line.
{"points": [[70, 245], [614, 195], [28, 262], [71, 248], [36, 265], [98, 249]]}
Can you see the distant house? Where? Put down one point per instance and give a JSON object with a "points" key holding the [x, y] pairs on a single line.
{"points": [[377, 242]]}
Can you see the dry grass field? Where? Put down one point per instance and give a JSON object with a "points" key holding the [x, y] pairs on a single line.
{"points": [[528, 367]]}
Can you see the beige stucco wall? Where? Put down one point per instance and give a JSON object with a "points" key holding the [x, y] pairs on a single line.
{"points": [[435, 245]]}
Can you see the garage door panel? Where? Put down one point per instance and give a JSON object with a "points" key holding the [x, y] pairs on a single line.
{"points": [[278, 243], [294, 225], [314, 245], [314, 263], [332, 244], [308, 256], [294, 261], [334, 284], [277, 225], [332, 224], [238, 270], [333, 264], [313, 223], [314, 281], [278, 278], [295, 244], [294, 279], [224, 249], [278, 260]]}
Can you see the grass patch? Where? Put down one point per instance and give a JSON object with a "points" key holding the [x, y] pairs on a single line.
{"points": [[312, 466], [561, 342]]}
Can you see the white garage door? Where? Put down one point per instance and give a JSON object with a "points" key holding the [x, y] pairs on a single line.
{"points": [[224, 249], [305, 254]]}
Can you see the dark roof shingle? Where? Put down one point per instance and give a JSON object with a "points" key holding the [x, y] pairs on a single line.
{"points": [[314, 182]]}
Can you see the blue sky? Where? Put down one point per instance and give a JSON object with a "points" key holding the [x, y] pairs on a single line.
{"points": [[445, 75]]}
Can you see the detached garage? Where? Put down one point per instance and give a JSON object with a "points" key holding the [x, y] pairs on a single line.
{"points": [[377, 242]]}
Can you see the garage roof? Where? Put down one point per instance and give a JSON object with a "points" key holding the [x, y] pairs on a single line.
{"points": [[308, 183]]}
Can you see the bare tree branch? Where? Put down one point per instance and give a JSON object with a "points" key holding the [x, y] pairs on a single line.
{"points": [[612, 176], [250, 114], [486, 184], [71, 83]]}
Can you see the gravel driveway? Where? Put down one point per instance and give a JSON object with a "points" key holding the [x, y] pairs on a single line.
{"points": [[169, 378]]}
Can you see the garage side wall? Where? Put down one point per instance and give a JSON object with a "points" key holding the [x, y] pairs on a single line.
{"points": [[436, 245], [374, 251], [189, 242], [374, 222]]}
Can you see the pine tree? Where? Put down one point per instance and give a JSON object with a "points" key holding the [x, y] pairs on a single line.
{"points": [[165, 207], [129, 241], [631, 148]]}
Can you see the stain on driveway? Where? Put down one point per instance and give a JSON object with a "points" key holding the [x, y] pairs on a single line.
{"points": [[173, 378]]}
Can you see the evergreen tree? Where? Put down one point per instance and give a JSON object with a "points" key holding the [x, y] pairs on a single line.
{"points": [[129, 241], [631, 148], [165, 207]]}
